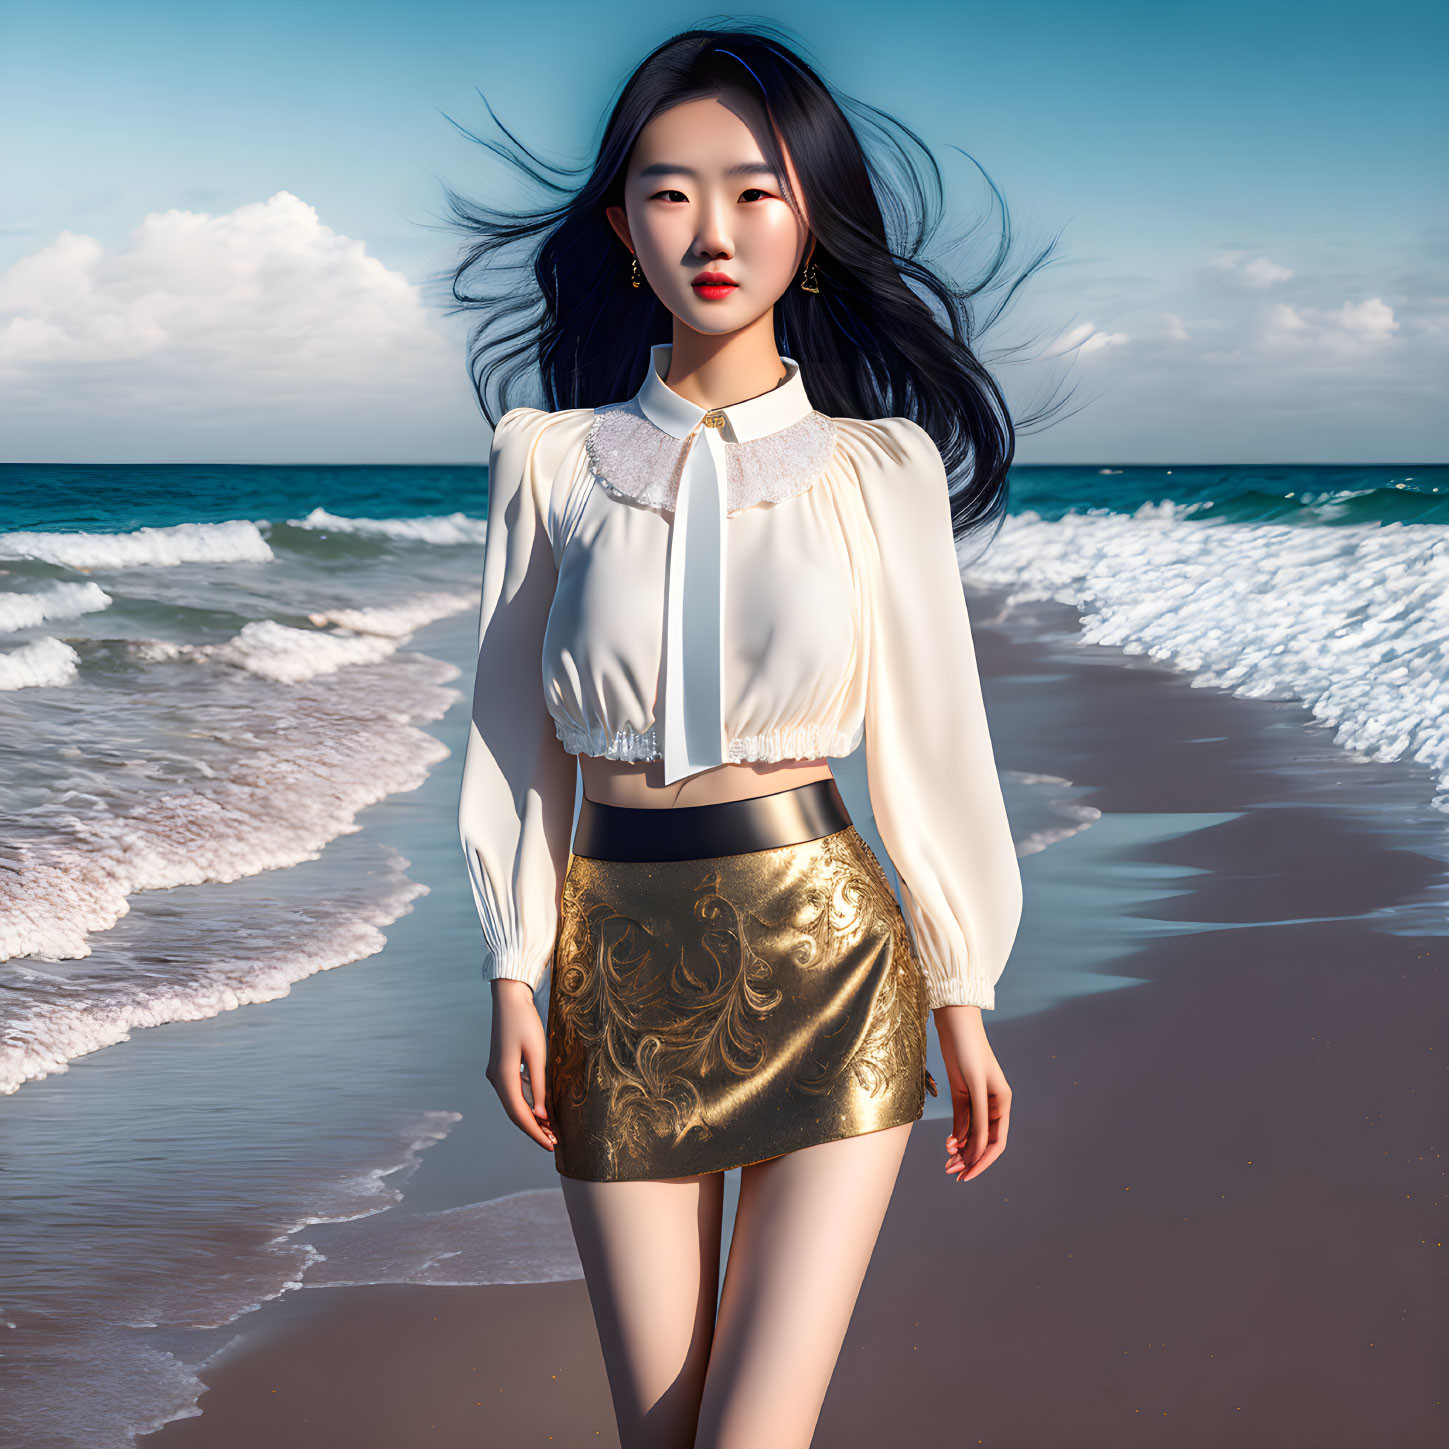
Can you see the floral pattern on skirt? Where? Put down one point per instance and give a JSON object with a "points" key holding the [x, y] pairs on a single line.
{"points": [[706, 1014]]}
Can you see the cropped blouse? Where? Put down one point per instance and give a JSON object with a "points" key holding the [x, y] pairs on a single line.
{"points": [[703, 586]]}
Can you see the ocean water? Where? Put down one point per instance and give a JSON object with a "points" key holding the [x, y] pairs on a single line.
{"points": [[231, 720]]}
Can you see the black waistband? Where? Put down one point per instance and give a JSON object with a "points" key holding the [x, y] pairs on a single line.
{"points": [[697, 832]]}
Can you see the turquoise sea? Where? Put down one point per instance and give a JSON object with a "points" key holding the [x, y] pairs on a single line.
{"points": [[239, 965]]}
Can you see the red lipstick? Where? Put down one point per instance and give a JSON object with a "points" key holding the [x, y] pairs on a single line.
{"points": [[713, 285]]}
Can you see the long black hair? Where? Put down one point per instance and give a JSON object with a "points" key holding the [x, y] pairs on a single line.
{"points": [[869, 344]]}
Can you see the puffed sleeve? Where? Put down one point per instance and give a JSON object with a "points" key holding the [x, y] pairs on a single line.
{"points": [[517, 804], [931, 770]]}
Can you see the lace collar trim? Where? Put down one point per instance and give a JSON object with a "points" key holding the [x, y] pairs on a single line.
{"points": [[635, 459]]}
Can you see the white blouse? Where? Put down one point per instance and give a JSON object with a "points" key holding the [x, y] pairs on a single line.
{"points": [[780, 584]]}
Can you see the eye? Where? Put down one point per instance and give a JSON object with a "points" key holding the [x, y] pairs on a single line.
{"points": [[672, 194]]}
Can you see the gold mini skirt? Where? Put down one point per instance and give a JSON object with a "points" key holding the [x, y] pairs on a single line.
{"points": [[707, 1011]]}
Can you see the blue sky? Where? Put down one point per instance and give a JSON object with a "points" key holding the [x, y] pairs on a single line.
{"points": [[214, 218]]}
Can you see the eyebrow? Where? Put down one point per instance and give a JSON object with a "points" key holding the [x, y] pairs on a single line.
{"points": [[668, 168]]}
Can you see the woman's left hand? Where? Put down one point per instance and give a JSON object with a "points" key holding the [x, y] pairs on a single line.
{"points": [[980, 1095]]}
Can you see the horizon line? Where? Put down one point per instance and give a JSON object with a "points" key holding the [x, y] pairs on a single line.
{"points": [[314, 463]]}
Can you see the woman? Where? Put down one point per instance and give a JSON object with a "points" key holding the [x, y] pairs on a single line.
{"points": [[703, 587]]}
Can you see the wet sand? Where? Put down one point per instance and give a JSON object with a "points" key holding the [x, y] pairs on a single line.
{"points": [[1219, 1217]]}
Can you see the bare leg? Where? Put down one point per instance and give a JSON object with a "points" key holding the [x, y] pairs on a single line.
{"points": [[651, 1252], [805, 1228]]}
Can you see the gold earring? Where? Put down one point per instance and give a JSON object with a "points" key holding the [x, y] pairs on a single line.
{"points": [[809, 280], [634, 272]]}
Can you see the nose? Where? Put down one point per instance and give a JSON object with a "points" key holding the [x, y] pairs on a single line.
{"points": [[712, 241]]}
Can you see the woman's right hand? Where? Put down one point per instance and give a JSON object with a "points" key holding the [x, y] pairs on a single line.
{"points": [[519, 1048]]}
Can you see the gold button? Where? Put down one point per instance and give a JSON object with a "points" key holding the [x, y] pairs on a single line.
{"points": [[713, 419]]}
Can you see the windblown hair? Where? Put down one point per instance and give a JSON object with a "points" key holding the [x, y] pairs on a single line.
{"points": [[869, 343]]}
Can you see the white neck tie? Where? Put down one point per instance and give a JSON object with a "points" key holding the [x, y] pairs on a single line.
{"points": [[693, 684], [695, 611]]}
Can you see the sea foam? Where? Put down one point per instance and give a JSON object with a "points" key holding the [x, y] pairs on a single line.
{"points": [[300, 769], [1351, 620], [235, 541], [45, 662], [59, 601], [450, 528], [49, 1021]]}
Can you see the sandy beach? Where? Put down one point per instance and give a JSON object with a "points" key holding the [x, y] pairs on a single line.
{"points": [[1219, 1216]]}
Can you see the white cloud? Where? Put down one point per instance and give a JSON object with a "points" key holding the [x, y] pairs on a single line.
{"points": [[1260, 272], [1353, 328], [1282, 321], [1257, 272], [1226, 260], [1085, 338], [225, 326], [1372, 319], [1339, 363]]}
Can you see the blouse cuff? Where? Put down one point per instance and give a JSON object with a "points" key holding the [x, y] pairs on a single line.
{"points": [[511, 965], [944, 990]]}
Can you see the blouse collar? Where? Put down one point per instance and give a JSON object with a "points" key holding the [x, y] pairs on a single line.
{"points": [[755, 417]]}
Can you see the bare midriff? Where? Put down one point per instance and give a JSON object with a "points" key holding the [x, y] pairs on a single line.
{"points": [[639, 784]]}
